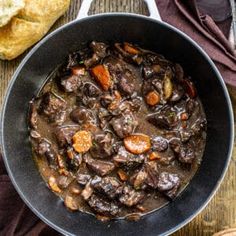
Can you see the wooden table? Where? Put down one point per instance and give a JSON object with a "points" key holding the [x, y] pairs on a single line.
{"points": [[221, 211]]}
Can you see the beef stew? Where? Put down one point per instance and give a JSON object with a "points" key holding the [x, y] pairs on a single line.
{"points": [[117, 130]]}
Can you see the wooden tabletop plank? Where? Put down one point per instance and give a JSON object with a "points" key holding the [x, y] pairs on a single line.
{"points": [[221, 212]]}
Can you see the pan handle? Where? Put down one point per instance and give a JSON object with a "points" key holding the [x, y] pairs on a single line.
{"points": [[151, 5]]}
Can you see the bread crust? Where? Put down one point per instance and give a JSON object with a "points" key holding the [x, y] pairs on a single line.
{"points": [[29, 26]]}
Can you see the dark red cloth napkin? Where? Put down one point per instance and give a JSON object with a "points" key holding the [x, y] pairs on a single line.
{"points": [[212, 37], [15, 217]]}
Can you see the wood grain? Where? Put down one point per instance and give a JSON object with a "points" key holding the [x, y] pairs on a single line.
{"points": [[221, 212]]}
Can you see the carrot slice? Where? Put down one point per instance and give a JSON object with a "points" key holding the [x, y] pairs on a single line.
{"points": [[154, 156], [78, 70], [137, 143], [152, 98], [184, 116], [82, 141], [130, 49], [102, 75], [122, 175]]}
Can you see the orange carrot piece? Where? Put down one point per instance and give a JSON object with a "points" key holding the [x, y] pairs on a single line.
{"points": [[122, 175], [82, 141], [152, 98], [130, 49], [154, 156], [137, 143], [102, 75]]}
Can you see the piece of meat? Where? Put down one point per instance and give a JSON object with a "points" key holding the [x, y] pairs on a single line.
{"points": [[186, 154], [150, 71], [110, 186], [99, 52], [104, 117], [102, 145], [165, 118], [64, 134], [177, 93], [82, 115], [64, 181], [179, 72], [159, 144], [99, 48], [130, 197], [126, 82], [168, 184], [100, 167], [146, 176], [91, 90], [129, 160], [124, 124], [44, 148], [71, 83], [83, 179], [103, 206], [53, 107]]}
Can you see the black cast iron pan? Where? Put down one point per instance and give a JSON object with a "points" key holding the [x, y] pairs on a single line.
{"points": [[148, 33]]}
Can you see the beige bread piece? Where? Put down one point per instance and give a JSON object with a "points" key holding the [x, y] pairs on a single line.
{"points": [[8, 9], [29, 26]]}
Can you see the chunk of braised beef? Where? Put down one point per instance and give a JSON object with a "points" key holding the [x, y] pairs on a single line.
{"points": [[164, 118], [99, 52], [130, 197], [177, 93], [91, 90], [124, 124], [82, 115], [103, 206], [44, 148], [179, 72], [99, 167], [64, 134], [64, 181], [71, 83], [175, 144], [110, 186], [152, 176], [168, 183], [149, 71], [146, 176], [166, 157], [104, 117], [159, 144], [99, 48], [102, 145], [83, 179], [53, 107], [126, 82], [129, 160], [186, 153]]}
